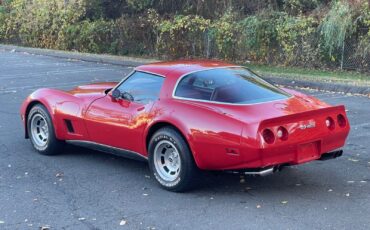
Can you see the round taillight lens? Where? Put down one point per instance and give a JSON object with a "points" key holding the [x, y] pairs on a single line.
{"points": [[268, 136], [341, 120], [282, 133], [330, 123]]}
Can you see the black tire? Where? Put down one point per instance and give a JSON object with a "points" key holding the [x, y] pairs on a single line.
{"points": [[52, 145], [188, 174]]}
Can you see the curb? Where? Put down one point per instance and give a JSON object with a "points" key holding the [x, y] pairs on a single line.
{"points": [[324, 86], [132, 61], [99, 58]]}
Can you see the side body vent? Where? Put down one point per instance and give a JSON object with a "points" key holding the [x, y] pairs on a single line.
{"points": [[69, 126]]}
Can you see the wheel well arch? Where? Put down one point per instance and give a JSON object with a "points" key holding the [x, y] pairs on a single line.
{"points": [[28, 109], [155, 127]]}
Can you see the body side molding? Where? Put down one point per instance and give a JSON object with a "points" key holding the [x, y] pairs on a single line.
{"points": [[108, 149]]}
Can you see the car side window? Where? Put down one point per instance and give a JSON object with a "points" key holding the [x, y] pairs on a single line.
{"points": [[144, 87]]}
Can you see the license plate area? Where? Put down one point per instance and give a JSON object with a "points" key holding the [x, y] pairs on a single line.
{"points": [[308, 151]]}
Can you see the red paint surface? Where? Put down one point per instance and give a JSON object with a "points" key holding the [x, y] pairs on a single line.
{"points": [[221, 136]]}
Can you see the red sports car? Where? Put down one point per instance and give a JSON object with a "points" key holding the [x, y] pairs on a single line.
{"points": [[187, 116]]}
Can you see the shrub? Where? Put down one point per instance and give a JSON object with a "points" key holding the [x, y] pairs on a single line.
{"points": [[259, 34], [182, 36], [38, 23], [296, 38], [90, 36], [335, 28], [224, 33], [136, 35]]}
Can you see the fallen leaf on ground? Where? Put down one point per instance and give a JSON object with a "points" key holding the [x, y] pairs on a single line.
{"points": [[59, 175], [123, 222], [330, 190], [145, 194], [352, 159], [350, 182], [258, 206], [247, 188], [82, 218], [284, 202], [347, 194], [2, 222]]}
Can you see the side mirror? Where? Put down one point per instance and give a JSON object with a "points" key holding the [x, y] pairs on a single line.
{"points": [[127, 96], [116, 94]]}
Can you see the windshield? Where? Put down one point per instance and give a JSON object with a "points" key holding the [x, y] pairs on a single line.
{"points": [[235, 85]]}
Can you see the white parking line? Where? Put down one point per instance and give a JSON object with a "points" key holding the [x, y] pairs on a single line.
{"points": [[51, 73], [53, 85], [338, 97], [321, 94]]}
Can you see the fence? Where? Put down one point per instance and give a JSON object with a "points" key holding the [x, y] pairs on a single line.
{"points": [[350, 57]]}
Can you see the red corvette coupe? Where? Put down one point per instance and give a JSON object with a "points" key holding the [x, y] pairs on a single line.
{"points": [[187, 116]]}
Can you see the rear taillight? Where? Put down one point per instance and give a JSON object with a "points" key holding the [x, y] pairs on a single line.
{"points": [[330, 123], [282, 133], [341, 120], [268, 136]]}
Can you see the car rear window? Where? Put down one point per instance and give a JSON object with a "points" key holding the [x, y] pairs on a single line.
{"points": [[234, 85]]}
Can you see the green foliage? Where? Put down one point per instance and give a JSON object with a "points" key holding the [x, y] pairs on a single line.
{"points": [[39, 23], [285, 32], [295, 36], [136, 35], [139, 5], [336, 27], [364, 44], [300, 6], [259, 33], [182, 35], [224, 33], [89, 36]]}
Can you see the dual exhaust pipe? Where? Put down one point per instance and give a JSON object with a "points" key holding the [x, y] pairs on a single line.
{"points": [[331, 155]]}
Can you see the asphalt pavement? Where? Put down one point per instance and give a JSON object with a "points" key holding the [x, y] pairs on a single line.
{"points": [[84, 189]]}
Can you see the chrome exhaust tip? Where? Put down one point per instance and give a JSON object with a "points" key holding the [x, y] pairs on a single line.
{"points": [[261, 172]]}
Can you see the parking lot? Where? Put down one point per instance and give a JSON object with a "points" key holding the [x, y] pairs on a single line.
{"points": [[84, 189]]}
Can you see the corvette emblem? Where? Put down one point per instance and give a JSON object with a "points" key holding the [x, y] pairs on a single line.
{"points": [[311, 124]]}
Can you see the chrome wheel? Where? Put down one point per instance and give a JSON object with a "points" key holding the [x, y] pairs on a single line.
{"points": [[167, 160], [39, 130]]}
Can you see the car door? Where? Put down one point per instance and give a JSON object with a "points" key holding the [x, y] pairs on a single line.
{"points": [[120, 122]]}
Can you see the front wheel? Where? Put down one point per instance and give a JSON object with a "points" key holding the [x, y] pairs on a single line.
{"points": [[41, 131], [171, 161]]}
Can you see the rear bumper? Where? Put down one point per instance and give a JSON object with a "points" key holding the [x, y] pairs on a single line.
{"points": [[276, 168]]}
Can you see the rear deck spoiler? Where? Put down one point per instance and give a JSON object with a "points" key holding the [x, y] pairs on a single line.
{"points": [[329, 111]]}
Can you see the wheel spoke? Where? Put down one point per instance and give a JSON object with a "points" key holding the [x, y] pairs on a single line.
{"points": [[39, 130], [167, 161]]}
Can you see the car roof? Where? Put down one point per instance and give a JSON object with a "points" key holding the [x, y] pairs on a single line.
{"points": [[181, 67]]}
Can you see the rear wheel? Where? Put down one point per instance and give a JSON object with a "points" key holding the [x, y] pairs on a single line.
{"points": [[41, 131], [171, 161]]}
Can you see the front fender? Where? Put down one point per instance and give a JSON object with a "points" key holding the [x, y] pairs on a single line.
{"points": [[50, 98]]}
